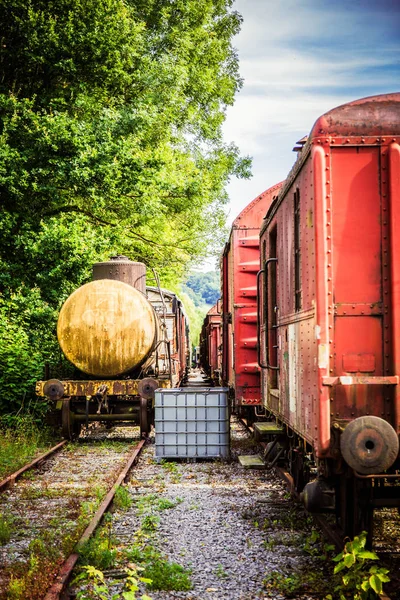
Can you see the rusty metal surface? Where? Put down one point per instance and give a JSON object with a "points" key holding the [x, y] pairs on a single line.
{"points": [[115, 387], [10, 480], [67, 567], [369, 445], [393, 250], [120, 268], [210, 341], [361, 380], [240, 265], [349, 244], [381, 113], [106, 328]]}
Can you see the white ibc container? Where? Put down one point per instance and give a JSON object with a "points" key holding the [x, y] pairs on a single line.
{"points": [[192, 423]]}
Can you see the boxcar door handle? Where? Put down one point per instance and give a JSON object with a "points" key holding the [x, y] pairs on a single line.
{"points": [[262, 365], [267, 263]]}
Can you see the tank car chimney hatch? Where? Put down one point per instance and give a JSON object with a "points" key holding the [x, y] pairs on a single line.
{"points": [[121, 268]]}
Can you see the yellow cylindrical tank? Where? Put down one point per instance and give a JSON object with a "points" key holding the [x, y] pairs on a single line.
{"points": [[106, 328]]}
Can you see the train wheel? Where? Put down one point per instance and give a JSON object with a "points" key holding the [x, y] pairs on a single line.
{"points": [[145, 418], [69, 428], [299, 470]]}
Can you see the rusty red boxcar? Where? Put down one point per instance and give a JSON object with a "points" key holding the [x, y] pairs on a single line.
{"points": [[210, 343], [330, 312], [239, 266]]}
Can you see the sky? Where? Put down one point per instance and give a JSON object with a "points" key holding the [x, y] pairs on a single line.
{"points": [[299, 59]]}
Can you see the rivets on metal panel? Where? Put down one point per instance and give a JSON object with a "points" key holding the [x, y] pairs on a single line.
{"points": [[333, 141], [362, 141], [383, 139], [327, 182], [326, 168], [347, 141]]}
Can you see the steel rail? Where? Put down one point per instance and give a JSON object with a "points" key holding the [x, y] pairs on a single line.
{"points": [[11, 479], [64, 574]]}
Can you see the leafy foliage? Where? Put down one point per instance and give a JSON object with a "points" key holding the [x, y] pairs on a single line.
{"points": [[110, 142], [360, 580], [204, 288]]}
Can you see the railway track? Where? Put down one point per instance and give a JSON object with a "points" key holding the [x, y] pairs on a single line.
{"points": [[11, 479], [49, 511]]}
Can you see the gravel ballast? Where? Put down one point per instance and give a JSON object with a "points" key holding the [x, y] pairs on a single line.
{"points": [[231, 527]]}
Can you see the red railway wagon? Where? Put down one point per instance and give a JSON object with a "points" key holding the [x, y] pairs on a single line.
{"points": [[210, 343], [239, 266], [330, 312]]}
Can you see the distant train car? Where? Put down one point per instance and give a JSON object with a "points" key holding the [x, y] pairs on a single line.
{"points": [[125, 340], [330, 312], [239, 266], [210, 343], [173, 355]]}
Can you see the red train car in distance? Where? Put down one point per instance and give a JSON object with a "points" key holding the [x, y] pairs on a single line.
{"points": [[330, 309], [210, 343], [240, 263]]}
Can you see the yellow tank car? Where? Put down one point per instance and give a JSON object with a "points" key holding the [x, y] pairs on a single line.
{"points": [[106, 328]]}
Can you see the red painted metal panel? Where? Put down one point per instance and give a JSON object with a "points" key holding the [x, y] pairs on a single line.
{"points": [[356, 219], [240, 264], [338, 336], [357, 233], [394, 196]]}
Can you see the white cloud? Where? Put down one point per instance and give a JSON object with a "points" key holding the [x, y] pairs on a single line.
{"points": [[299, 60]]}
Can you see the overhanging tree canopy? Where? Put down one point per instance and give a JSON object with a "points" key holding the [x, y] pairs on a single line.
{"points": [[110, 141]]}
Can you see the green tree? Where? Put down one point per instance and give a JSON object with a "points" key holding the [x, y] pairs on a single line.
{"points": [[110, 142], [204, 287]]}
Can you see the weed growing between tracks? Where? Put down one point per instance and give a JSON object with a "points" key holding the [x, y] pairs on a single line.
{"points": [[66, 510], [6, 527], [145, 562]]}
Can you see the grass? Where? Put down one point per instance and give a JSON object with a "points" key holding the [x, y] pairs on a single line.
{"points": [[20, 441], [99, 550], [167, 576], [164, 575], [6, 528], [122, 499]]}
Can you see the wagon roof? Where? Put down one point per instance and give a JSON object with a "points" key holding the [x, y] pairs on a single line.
{"points": [[253, 213], [375, 115]]}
